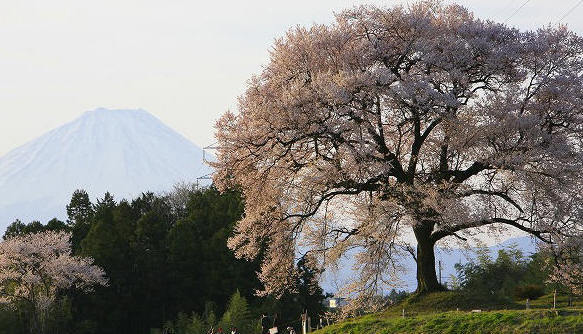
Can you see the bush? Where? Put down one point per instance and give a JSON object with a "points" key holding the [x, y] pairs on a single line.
{"points": [[509, 275], [530, 291], [396, 297]]}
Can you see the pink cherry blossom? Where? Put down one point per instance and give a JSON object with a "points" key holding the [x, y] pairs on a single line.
{"points": [[34, 267]]}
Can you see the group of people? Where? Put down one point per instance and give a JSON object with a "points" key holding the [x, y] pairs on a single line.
{"points": [[267, 327], [220, 331], [272, 327]]}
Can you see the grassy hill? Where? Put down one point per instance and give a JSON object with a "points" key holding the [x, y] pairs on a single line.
{"points": [[449, 312]]}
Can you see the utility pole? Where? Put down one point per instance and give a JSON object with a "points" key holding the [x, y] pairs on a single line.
{"points": [[213, 146], [439, 265], [206, 161]]}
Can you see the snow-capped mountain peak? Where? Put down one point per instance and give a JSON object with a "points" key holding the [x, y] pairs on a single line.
{"points": [[125, 152]]}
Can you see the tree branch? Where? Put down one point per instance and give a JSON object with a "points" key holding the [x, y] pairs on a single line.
{"points": [[450, 231], [500, 194]]}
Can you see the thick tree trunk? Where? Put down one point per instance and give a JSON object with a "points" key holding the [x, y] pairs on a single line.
{"points": [[426, 275]]}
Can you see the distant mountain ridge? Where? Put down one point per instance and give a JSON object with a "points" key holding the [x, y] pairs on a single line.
{"points": [[125, 152]]}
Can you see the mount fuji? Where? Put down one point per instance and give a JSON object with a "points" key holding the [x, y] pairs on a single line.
{"points": [[125, 152]]}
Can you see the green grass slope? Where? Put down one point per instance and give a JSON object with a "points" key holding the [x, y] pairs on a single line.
{"points": [[437, 313]]}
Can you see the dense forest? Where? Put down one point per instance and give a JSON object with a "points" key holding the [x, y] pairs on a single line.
{"points": [[167, 263]]}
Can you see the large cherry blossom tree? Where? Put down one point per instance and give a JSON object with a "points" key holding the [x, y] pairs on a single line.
{"points": [[421, 119], [35, 267]]}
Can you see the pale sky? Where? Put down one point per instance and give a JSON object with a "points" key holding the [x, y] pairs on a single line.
{"points": [[184, 61]]}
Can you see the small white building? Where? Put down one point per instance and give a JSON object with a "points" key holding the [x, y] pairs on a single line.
{"points": [[335, 302]]}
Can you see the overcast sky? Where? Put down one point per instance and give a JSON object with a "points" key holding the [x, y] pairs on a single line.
{"points": [[183, 61]]}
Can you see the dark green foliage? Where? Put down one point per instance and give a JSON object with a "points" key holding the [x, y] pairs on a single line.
{"points": [[397, 296], [19, 228], [198, 256], [287, 310], [529, 291], [237, 315], [162, 261], [190, 325], [79, 210], [12, 321], [56, 225], [80, 213], [15, 229], [500, 278]]}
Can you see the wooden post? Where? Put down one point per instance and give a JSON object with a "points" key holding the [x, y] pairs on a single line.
{"points": [[304, 323], [403, 313], [527, 303], [555, 299]]}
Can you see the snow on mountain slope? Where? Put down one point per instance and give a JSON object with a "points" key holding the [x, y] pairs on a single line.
{"points": [[125, 152]]}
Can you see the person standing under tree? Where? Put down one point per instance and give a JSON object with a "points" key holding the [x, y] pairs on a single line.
{"points": [[275, 321], [264, 324]]}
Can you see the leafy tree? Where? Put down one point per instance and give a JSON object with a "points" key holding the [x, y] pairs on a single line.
{"points": [[108, 241], [308, 297], [56, 225], [422, 120], [198, 255], [14, 229], [509, 275], [397, 296], [18, 228], [161, 263]]}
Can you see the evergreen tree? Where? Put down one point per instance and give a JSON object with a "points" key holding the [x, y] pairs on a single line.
{"points": [[104, 205], [237, 315], [56, 225], [79, 209], [14, 229], [18, 228], [308, 297]]}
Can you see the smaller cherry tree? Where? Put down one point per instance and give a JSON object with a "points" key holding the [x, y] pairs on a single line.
{"points": [[35, 267], [567, 263]]}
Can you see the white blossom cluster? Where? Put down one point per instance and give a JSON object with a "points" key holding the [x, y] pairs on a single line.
{"points": [[34, 267]]}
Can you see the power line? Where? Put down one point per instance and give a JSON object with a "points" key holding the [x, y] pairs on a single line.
{"points": [[571, 10], [504, 9], [517, 10]]}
